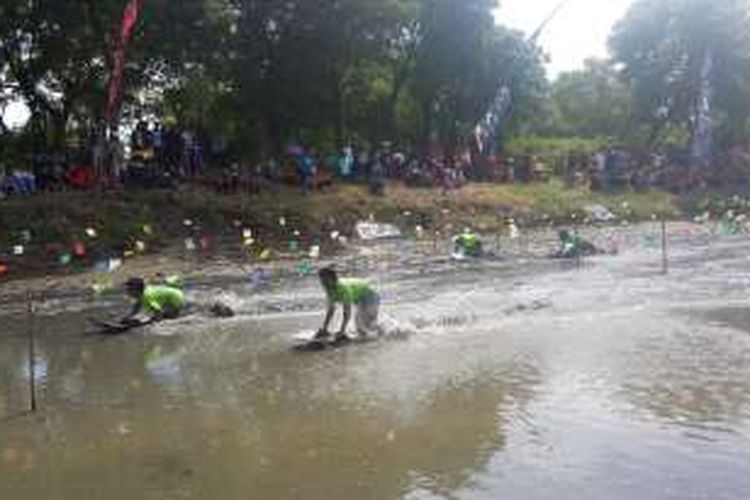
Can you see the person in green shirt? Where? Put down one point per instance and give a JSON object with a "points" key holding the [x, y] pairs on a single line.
{"points": [[573, 246], [467, 244], [159, 302], [349, 292]]}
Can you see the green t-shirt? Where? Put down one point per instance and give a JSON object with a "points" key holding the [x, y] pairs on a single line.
{"points": [[352, 291], [570, 243], [468, 241], [574, 244], [157, 298]]}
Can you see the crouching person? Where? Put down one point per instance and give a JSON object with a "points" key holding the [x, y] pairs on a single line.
{"points": [[349, 292]]}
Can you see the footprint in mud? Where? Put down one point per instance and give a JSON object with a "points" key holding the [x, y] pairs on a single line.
{"points": [[537, 305], [168, 470], [420, 323], [273, 308], [456, 321], [444, 321], [399, 333]]}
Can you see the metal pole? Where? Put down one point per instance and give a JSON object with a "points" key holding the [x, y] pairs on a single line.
{"points": [[578, 251], [664, 255], [498, 235], [32, 354]]}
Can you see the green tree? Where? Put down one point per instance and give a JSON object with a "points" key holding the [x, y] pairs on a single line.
{"points": [[58, 54], [268, 71], [663, 46], [592, 102]]}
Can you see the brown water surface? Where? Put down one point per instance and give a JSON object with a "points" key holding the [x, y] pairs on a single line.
{"points": [[499, 380]]}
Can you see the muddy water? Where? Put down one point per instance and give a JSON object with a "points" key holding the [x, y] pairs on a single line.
{"points": [[517, 379]]}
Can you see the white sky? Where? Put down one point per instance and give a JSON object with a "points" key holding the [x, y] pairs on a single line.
{"points": [[578, 32], [15, 115]]}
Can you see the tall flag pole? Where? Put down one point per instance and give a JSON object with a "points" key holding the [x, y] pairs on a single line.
{"points": [[702, 123], [551, 17], [486, 130], [129, 22]]}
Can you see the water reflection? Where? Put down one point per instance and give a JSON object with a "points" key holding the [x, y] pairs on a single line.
{"points": [[699, 374], [607, 392], [210, 413]]}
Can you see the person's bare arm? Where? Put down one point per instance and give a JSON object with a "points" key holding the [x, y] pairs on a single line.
{"points": [[133, 312]]}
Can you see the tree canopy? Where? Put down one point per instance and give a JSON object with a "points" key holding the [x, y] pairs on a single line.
{"points": [[329, 72], [268, 71], [663, 47]]}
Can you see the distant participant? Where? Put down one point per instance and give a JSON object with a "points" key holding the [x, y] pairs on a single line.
{"points": [[573, 246], [349, 292], [159, 302], [467, 244], [155, 303], [165, 301]]}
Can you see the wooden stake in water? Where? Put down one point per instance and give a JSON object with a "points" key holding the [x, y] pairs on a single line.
{"points": [[32, 354], [664, 255], [498, 235], [578, 251]]}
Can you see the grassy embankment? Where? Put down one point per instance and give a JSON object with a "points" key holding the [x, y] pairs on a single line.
{"points": [[57, 221]]}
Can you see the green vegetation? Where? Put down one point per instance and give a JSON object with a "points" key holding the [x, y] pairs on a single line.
{"points": [[263, 73], [555, 146], [648, 93]]}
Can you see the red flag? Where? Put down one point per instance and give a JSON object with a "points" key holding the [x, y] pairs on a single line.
{"points": [[129, 21]]}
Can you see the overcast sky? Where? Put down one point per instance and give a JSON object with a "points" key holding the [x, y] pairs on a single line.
{"points": [[578, 32]]}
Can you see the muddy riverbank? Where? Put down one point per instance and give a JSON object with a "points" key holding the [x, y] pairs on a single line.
{"points": [[59, 234]]}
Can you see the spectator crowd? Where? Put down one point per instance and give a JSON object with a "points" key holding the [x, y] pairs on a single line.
{"points": [[158, 157]]}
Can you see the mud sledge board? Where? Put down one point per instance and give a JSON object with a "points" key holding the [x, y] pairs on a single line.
{"points": [[306, 341], [110, 328]]}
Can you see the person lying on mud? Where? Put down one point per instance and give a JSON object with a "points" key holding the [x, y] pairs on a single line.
{"points": [[574, 246], [162, 302], [467, 244], [349, 292], [159, 302]]}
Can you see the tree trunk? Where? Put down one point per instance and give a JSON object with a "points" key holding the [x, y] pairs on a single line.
{"points": [[274, 136], [59, 131], [427, 124], [391, 118], [339, 114]]}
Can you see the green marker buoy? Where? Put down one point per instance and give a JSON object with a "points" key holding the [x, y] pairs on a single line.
{"points": [[305, 269]]}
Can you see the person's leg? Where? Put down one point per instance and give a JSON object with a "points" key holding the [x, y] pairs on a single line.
{"points": [[172, 312], [307, 184], [367, 316]]}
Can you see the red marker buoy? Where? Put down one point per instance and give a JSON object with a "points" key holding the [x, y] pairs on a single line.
{"points": [[79, 250], [206, 243]]}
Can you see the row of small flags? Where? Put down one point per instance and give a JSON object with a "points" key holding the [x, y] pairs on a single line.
{"points": [[729, 224], [78, 251]]}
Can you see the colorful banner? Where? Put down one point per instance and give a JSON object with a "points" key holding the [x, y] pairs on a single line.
{"points": [[129, 21], [702, 122]]}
